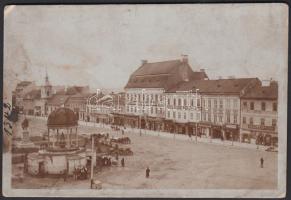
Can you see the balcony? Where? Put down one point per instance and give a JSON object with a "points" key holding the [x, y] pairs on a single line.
{"points": [[247, 110], [259, 127]]}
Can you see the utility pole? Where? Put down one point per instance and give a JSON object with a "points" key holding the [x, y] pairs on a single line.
{"points": [[92, 167]]}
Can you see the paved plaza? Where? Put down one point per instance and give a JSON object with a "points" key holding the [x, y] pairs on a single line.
{"points": [[174, 163]]}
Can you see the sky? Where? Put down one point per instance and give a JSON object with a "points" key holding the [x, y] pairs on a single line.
{"points": [[101, 45]]}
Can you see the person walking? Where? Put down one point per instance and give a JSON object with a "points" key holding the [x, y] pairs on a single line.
{"points": [[122, 162], [190, 136], [262, 162], [148, 172], [65, 175]]}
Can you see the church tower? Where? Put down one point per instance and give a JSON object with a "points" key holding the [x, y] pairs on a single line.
{"points": [[46, 89]]}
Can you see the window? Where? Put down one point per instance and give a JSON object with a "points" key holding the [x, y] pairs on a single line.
{"points": [[174, 102], [179, 115], [209, 103], [215, 118], [184, 115], [185, 102], [252, 106], [198, 116], [168, 101], [191, 115], [179, 102], [262, 121], [204, 116], [156, 97], [235, 103], [274, 106], [174, 114], [220, 103], [215, 103], [274, 122], [220, 118], [169, 114], [198, 102], [245, 104], [152, 110], [203, 103], [228, 103], [263, 106], [228, 116], [235, 118], [209, 117], [192, 102], [244, 120], [251, 121]]}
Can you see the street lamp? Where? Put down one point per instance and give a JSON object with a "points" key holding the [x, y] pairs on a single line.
{"points": [[92, 153]]}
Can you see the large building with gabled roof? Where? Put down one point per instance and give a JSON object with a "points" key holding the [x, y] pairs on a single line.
{"points": [[146, 88]]}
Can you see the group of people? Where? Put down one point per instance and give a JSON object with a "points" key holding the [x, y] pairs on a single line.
{"points": [[80, 173]]}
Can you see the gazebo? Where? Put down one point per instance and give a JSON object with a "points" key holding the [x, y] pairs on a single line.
{"points": [[62, 127], [62, 155]]}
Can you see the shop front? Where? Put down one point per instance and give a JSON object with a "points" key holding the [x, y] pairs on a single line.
{"points": [[231, 132], [205, 129], [169, 126], [217, 131]]}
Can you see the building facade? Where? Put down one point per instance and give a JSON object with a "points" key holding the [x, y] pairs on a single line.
{"points": [[147, 87], [209, 107], [260, 115]]}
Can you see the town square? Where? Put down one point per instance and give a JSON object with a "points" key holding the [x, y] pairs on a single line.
{"points": [[145, 100]]}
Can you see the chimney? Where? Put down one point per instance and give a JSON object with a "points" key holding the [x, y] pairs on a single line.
{"points": [[202, 70], [266, 82], [184, 58], [143, 62]]}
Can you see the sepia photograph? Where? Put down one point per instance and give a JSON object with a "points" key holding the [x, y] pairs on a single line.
{"points": [[145, 100]]}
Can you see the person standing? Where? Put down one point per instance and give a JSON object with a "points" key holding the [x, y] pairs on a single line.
{"points": [[262, 162], [148, 172], [122, 162]]}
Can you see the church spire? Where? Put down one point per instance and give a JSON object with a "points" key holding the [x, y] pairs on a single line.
{"points": [[46, 78]]}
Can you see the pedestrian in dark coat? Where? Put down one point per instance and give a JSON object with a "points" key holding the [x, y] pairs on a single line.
{"points": [[262, 162], [65, 175], [148, 172], [122, 162]]}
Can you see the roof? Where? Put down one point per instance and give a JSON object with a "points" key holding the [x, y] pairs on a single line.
{"points": [[263, 92], [58, 99], [33, 94], [73, 90], [220, 86], [162, 74], [23, 83], [164, 67], [62, 117], [78, 98], [76, 89]]}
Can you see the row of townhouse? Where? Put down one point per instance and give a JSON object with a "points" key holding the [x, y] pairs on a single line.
{"points": [[42, 100], [170, 96], [101, 108]]}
